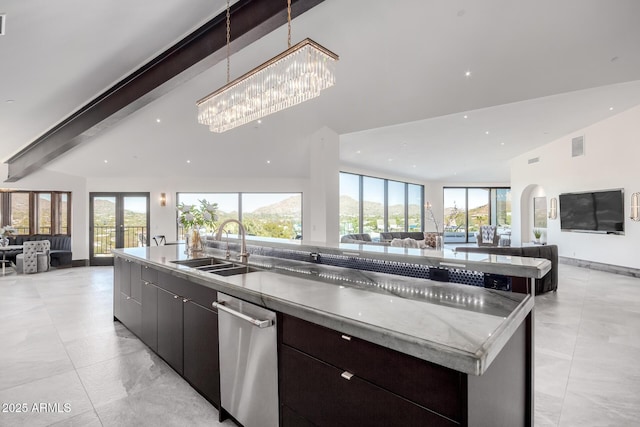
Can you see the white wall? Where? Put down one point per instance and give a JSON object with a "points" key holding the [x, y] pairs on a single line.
{"points": [[612, 150], [321, 220]]}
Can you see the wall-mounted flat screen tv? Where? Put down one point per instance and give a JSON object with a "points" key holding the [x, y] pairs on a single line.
{"points": [[595, 211]]}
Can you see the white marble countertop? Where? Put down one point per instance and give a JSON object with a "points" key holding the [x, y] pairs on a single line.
{"points": [[458, 326]]}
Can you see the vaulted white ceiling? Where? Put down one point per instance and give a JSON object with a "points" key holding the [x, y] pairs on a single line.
{"points": [[539, 70]]}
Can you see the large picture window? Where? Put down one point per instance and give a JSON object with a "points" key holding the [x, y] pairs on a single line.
{"points": [[36, 212], [374, 205], [272, 215], [466, 209]]}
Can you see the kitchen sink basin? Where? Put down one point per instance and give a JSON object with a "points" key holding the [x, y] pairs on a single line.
{"points": [[217, 266], [201, 262], [232, 271]]}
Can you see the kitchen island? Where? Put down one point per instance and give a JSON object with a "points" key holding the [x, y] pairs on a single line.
{"points": [[405, 349]]}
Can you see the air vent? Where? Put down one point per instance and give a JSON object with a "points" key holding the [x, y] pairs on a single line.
{"points": [[577, 146], [3, 19], [534, 160]]}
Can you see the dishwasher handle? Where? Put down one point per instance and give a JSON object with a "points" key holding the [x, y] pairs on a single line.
{"points": [[259, 323]]}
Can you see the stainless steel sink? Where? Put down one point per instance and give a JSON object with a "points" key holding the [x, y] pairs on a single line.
{"points": [[216, 266], [201, 262], [236, 269]]}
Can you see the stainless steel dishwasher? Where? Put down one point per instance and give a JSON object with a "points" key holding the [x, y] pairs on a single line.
{"points": [[248, 362]]}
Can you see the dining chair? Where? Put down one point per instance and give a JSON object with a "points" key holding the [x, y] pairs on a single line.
{"points": [[34, 257]]}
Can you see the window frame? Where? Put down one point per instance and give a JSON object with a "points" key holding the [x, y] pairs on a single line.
{"points": [[385, 219], [6, 217]]}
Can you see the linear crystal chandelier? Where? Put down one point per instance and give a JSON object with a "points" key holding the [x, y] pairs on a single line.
{"points": [[296, 75]]}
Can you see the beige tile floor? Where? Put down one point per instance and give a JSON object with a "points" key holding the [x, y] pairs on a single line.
{"points": [[61, 346]]}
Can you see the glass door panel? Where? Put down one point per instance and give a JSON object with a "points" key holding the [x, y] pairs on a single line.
{"points": [[117, 220], [396, 202], [455, 215], [372, 206], [478, 208], [415, 205], [134, 222], [103, 223], [349, 203]]}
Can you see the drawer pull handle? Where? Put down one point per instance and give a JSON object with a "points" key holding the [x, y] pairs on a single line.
{"points": [[176, 297], [346, 375], [346, 337], [186, 300], [128, 297]]}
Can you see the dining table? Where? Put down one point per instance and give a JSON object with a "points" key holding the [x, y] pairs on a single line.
{"points": [[4, 250]]}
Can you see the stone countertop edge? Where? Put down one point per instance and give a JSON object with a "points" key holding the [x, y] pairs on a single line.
{"points": [[508, 265], [456, 359]]}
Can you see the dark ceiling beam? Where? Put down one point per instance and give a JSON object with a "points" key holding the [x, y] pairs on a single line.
{"points": [[199, 51]]}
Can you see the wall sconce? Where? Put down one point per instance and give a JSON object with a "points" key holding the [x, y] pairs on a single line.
{"points": [[635, 207], [553, 208], [163, 199]]}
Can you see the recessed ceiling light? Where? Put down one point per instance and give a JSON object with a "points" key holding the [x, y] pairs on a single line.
{"points": [[502, 143], [188, 161], [358, 152], [259, 121], [390, 159], [106, 161], [268, 161], [158, 120], [486, 132], [465, 117], [413, 166], [467, 73], [610, 108]]}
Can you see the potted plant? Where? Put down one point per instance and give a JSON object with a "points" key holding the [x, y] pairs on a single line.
{"points": [[537, 233], [194, 218], [6, 232]]}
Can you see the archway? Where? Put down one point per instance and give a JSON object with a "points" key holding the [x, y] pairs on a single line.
{"points": [[530, 192]]}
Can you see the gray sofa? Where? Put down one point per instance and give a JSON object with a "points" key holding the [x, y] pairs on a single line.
{"points": [[61, 255], [549, 282], [415, 235], [361, 239]]}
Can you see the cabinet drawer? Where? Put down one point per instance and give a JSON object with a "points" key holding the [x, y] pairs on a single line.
{"points": [[320, 393], [435, 387], [149, 274], [131, 314]]}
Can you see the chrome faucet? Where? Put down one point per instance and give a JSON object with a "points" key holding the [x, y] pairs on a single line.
{"points": [[243, 255]]}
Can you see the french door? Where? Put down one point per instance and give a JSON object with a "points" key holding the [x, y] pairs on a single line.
{"points": [[117, 220]]}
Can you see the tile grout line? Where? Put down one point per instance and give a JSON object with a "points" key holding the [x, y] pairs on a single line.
{"points": [[75, 369], [575, 345]]}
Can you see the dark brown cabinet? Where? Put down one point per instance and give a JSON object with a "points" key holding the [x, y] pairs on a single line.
{"points": [[328, 396], [118, 266], [201, 362], [174, 318], [333, 379], [170, 307], [150, 315], [129, 309]]}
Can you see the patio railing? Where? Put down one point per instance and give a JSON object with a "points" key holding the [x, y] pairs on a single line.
{"points": [[104, 238]]}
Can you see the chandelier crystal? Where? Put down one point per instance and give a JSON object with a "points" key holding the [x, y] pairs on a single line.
{"points": [[296, 75]]}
